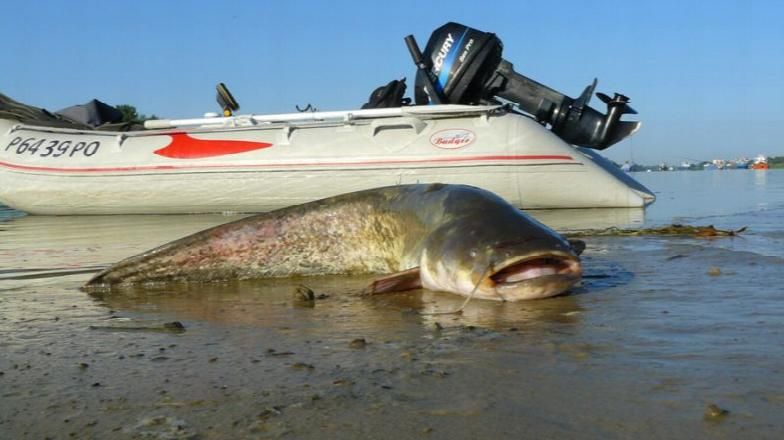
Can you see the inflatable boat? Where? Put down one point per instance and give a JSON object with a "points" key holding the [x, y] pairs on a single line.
{"points": [[257, 163], [527, 151]]}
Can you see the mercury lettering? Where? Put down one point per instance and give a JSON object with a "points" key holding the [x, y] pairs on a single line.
{"points": [[442, 53]]}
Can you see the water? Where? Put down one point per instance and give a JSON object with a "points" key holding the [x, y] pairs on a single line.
{"points": [[661, 328]]}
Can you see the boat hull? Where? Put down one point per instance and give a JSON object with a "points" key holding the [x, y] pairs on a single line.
{"points": [[266, 166]]}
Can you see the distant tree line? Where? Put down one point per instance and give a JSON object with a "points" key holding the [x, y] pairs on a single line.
{"points": [[130, 114]]}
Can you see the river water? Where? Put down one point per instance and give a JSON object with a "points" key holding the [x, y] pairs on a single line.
{"points": [[667, 337]]}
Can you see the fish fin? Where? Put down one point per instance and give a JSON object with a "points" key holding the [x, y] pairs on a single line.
{"points": [[578, 246], [396, 282]]}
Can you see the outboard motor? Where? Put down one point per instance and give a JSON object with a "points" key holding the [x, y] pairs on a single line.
{"points": [[462, 65]]}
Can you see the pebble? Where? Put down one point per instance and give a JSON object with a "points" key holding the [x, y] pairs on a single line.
{"points": [[302, 365], [304, 296], [175, 326], [715, 413], [358, 343]]}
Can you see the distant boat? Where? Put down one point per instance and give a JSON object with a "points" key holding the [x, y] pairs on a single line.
{"points": [[760, 163]]}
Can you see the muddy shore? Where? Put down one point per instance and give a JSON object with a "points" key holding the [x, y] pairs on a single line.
{"points": [[667, 337], [629, 354]]}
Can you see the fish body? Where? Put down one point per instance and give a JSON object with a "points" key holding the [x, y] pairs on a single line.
{"points": [[452, 238]]}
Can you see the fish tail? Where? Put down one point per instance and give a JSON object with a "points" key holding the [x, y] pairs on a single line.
{"points": [[123, 272]]}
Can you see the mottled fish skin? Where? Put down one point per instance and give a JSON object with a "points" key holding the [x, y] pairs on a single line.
{"points": [[458, 235]]}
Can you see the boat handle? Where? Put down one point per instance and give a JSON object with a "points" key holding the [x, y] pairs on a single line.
{"points": [[384, 124]]}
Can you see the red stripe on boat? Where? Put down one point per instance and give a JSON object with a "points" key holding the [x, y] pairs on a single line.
{"points": [[183, 146], [505, 160]]}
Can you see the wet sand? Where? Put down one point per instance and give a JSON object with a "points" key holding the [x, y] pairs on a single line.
{"points": [[667, 337]]}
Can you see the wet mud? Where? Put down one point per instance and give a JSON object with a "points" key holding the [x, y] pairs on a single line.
{"points": [[666, 337]]}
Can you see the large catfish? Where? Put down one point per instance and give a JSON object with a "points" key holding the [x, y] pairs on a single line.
{"points": [[451, 238]]}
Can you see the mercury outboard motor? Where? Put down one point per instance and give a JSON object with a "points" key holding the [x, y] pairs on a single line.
{"points": [[462, 65]]}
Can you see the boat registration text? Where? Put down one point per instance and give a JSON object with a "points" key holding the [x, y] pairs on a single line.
{"points": [[52, 147]]}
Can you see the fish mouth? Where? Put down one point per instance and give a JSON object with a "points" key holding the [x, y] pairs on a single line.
{"points": [[538, 276]]}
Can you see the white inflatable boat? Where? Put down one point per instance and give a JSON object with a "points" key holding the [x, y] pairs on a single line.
{"points": [[257, 163]]}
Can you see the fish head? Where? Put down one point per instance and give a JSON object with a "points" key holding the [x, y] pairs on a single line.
{"points": [[504, 261]]}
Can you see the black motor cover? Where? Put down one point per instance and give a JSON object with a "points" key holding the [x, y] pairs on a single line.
{"points": [[463, 65], [462, 59]]}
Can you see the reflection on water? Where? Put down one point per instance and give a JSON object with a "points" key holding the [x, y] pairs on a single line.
{"points": [[760, 178], [730, 199], [48, 244], [596, 218], [696, 195], [272, 303]]}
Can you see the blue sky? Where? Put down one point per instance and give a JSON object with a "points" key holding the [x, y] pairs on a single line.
{"points": [[706, 77]]}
